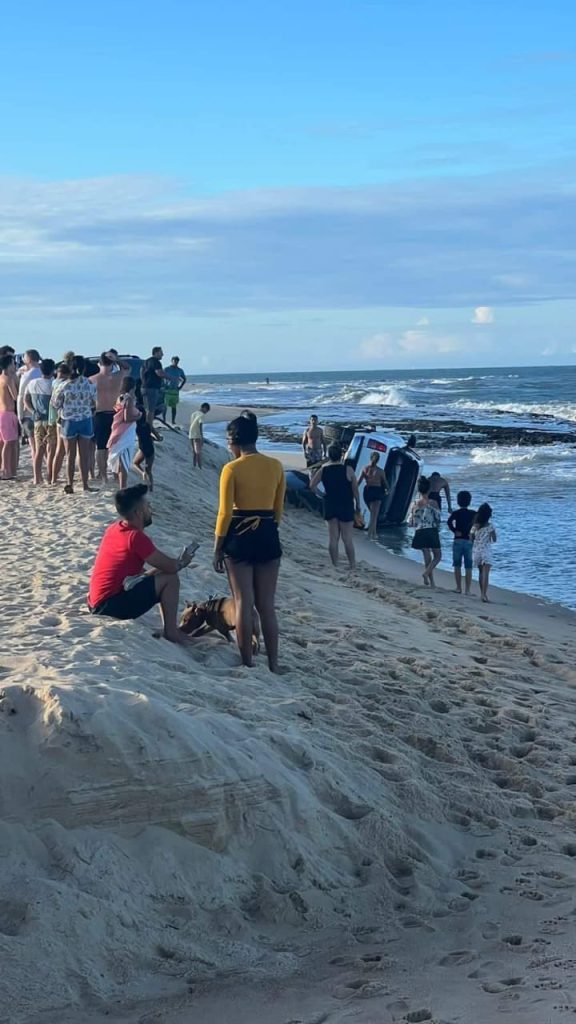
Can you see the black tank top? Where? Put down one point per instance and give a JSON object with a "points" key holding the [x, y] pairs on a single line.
{"points": [[336, 483]]}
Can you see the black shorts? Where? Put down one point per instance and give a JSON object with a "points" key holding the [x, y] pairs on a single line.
{"points": [[102, 429], [426, 538], [253, 538], [145, 442], [372, 494], [342, 511], [27, 425], [129, 604]]}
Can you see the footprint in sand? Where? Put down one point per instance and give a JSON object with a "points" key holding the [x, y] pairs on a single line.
{"points": [[497, 987], [457, 958], [50, 620]]}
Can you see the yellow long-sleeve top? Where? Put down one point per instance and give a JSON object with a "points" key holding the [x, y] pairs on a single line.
{"points": [[252, 482]]}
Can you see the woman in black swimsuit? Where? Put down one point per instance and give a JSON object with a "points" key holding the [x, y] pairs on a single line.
{"points": [[341, 500], [375, 491]]}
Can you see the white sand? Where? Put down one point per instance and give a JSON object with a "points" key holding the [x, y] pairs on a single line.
{"points": [[388, 830]]}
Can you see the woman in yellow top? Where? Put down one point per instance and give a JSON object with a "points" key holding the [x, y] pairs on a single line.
{"points": [[247, 545]]}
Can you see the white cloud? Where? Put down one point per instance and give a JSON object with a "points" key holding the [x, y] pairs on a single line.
{"points": [[424, 245], [483, 315], [413, 342]]}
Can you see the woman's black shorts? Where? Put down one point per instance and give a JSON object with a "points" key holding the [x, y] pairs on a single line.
{"points": [[130, 604], [428, 538], [372, 494], [253, 538]]}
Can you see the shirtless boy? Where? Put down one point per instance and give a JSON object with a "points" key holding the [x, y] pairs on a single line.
{"points": [[108, 387], [313, 442], [8, 418]]}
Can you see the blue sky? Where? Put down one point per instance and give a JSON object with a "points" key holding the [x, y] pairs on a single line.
{"points": [[273, 186]]}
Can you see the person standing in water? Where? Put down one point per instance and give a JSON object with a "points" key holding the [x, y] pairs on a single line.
{"points": [[425, 517], [375, 491], [341, 499], [484, 536], [460, 524], [438, 483]]}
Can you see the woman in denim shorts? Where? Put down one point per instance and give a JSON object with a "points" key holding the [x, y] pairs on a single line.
{"points": [[76, 401]]}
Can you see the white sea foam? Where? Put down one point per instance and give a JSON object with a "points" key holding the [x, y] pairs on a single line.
{"points": [[388, 396], [520, 455], [554, 410], [452, 380]]}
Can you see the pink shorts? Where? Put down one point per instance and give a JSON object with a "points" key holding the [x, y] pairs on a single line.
{"points": [[8, 427]]}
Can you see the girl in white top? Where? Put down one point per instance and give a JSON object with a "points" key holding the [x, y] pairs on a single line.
{"points": [[484, 536]]}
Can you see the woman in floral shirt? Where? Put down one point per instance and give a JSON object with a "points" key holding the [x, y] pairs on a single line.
{"points": [[425, 516], [76, 401]]}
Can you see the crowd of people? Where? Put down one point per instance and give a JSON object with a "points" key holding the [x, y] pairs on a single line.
{"points": [[95, 416], [103, 418], [473, 531]]}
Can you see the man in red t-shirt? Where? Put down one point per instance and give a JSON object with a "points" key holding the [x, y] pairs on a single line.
{"points": [[124, 550]]}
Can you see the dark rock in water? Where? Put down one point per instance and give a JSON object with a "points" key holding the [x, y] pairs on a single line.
{"points": [[434, 433]]}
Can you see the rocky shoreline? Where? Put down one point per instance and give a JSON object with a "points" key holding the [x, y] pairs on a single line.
{"points": [[434, 433]]}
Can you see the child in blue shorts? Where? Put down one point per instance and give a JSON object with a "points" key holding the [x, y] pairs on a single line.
{"points": [[460, 523]]}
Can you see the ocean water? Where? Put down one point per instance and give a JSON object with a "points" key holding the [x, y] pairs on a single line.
{"points": [[532, 488]]}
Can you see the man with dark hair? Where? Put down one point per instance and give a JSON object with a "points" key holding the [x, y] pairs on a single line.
{"points": [[29, 371], [123, 552], [37, 395], [8, 418], [108, 383], [152, 377], [313, 442], [175, 381]]}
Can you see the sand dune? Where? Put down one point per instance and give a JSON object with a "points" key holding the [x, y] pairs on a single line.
{"points": [[387, 830]]}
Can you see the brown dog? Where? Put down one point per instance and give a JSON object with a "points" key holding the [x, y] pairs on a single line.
{"points": [[217, 614]]}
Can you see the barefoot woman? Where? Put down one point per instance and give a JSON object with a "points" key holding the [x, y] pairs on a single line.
{"points": [[425, 516], [375, 491], [252, 489]]}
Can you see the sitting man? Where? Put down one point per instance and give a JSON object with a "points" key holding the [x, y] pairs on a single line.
{"points": [[124, 550]]}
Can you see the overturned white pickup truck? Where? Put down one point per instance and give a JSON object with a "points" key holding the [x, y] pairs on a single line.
{"points": [[400, 463]]}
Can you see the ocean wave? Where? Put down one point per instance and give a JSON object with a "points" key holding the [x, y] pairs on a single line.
{"points": [[453, 380], [359, 395], [520, 455], [553, 410], [389, 396]]}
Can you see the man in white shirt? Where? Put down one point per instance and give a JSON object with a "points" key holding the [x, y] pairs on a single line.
{"points": [[29, 371], [196, 433]]}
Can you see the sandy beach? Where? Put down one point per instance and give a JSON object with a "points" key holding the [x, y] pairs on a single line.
{"points": [[384, 833]]}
